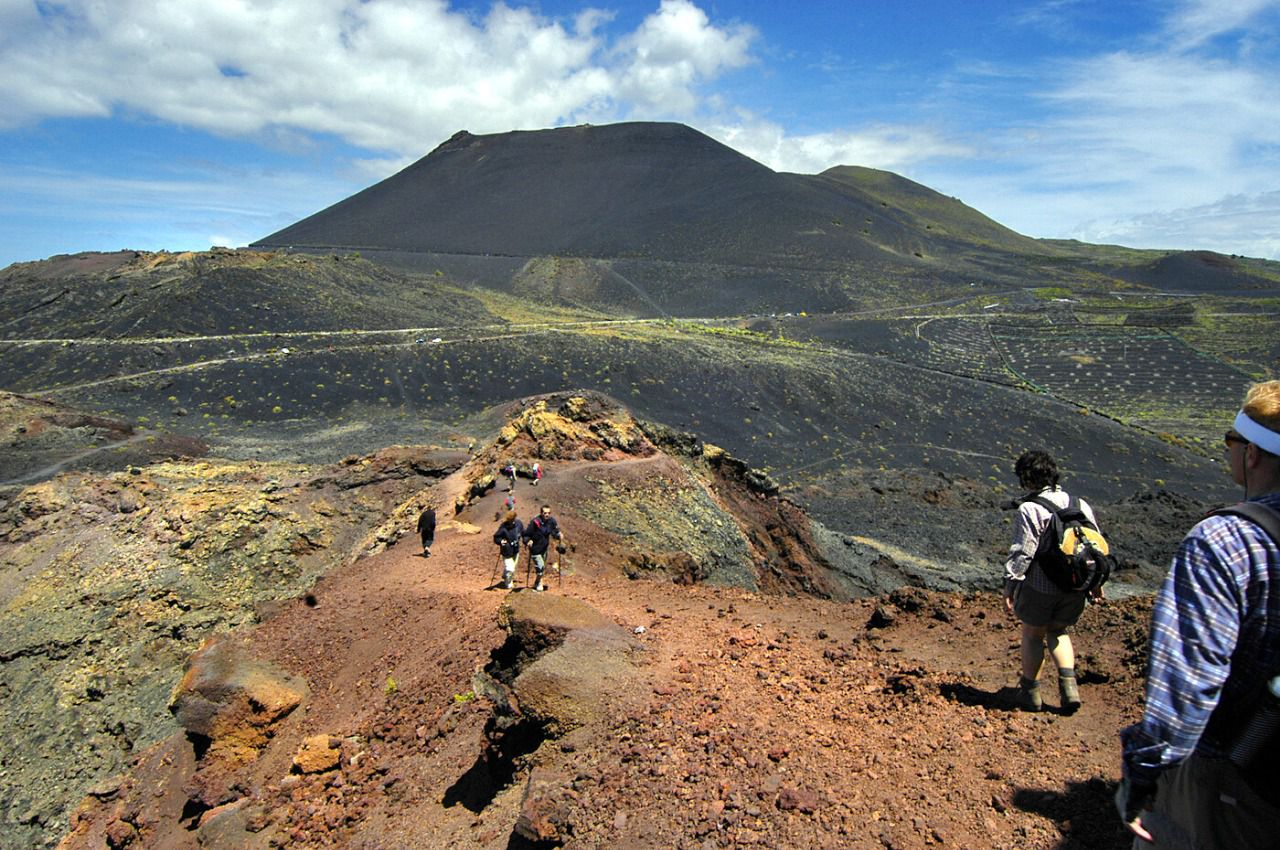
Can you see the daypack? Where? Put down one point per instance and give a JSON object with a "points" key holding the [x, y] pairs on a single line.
{"points": [[1072, 552]]}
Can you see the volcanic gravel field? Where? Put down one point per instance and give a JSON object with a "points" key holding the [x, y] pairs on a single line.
{"points": [[637, 713]]}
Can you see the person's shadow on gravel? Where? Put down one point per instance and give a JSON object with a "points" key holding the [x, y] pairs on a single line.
{"points": [[1084, 813], [1002, 699]]}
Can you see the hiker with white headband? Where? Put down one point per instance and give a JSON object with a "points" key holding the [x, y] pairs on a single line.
{"points": [[1199, 768]]}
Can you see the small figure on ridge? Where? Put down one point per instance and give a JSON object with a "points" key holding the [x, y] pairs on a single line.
{"points": [[427, 528]]}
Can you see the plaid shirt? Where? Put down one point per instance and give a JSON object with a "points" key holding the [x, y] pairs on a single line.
{"points": [[1215, 640]]}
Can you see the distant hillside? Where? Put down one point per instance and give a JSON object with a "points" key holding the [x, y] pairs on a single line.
{"points": [[653, 218], [143, 294], [941, 216], [659, 191]]}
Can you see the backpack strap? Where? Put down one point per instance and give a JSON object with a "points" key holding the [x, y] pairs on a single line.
{"points": [[1266, 518], [1044, 503], [1053, 509]]}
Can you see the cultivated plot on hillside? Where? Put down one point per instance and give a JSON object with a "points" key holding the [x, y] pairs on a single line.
{"points": [[1138, 375]]}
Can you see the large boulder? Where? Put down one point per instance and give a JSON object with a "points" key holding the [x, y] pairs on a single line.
{"points": [[229, 702], [569, 654]]}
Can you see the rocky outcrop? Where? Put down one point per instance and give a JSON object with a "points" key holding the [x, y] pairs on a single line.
{"points": [[111, 582], [561, 668], [229, 702]]}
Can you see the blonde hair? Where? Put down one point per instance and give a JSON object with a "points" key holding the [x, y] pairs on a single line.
{"points": [[511, 515], [1262, 405]]}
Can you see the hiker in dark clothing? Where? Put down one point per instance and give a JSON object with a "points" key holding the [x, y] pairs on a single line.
{"points": [[538, 536], [427, 528], [508, 538], [510, 471]]}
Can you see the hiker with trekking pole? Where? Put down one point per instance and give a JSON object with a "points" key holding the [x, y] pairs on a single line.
{"points": [[538, 536], [508, 537]]}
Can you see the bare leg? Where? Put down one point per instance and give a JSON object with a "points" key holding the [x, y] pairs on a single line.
{"points": [[1032, 651], [1064, 654]]}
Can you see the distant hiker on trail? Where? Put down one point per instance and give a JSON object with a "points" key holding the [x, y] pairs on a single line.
{"points": [[508, 538], [509, 502], [540, 531], [510, 471], [1045, 610], [427, 528], [536, 472], [1200, 766]]}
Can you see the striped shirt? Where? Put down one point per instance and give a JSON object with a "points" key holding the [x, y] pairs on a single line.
{"points": [[1032, 520], [1215, 640]]}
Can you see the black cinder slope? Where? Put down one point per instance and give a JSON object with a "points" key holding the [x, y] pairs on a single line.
{"points": [[635, 190]]}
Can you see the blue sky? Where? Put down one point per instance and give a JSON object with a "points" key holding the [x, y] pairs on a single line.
{"points": [[178, 125]]}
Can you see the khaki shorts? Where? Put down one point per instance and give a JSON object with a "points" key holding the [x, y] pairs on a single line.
{"points": [[1036, 608]]}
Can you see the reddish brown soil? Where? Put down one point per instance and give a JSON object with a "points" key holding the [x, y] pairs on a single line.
{"points": [[747, 720]]}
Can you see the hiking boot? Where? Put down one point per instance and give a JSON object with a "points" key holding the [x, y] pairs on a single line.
{"points": [[1029, 695], [539, 586], [1067, 688], [506, 582]]}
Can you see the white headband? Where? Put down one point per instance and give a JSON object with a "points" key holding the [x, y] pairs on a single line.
{"points": [[1261, 436]]}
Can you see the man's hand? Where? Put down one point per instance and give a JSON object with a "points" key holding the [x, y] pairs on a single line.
{"points": [[1131, 801], [1008, 603]]}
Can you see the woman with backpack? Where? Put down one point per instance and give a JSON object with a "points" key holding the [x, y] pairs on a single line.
{"points": [[508, 538], [1044, 609]]}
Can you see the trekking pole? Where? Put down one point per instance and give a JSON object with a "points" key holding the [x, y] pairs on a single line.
{"points": [[493, 574], [528, 566]]}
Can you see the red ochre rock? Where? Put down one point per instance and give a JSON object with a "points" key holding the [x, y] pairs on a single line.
{"points": [[318, 754], [547, 809], [233, 699]]}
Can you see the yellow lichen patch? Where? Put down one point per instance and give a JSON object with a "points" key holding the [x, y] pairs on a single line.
{"points": [[576, 408], [712, 453]]}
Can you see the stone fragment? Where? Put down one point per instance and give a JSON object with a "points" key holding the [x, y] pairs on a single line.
{"points": [[546, 813], [881, 618], [317, 754], [797, 800], [233, 700]]}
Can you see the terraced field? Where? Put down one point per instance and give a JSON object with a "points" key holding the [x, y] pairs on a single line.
{"points": [[1143, 376], [964, 345]]}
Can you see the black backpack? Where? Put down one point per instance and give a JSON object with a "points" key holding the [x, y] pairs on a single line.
{"points": [[1072, 552]]}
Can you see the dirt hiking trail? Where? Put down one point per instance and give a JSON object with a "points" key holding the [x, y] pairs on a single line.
{"points": [[434, 710]]}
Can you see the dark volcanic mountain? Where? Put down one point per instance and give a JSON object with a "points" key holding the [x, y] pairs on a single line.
{"points": [[626, 190], [654, 201]]}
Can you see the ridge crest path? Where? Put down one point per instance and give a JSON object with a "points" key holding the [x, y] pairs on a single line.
{"points": [[745, 718]]}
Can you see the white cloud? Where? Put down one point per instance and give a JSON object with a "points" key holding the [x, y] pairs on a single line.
{"points": [[674, 49], [889, 148], [1226, 226], [388, 75], [1200, 21], [1172, 143]]}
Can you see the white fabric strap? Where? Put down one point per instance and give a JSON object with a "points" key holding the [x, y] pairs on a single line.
{"points": [[1261, 436]]}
